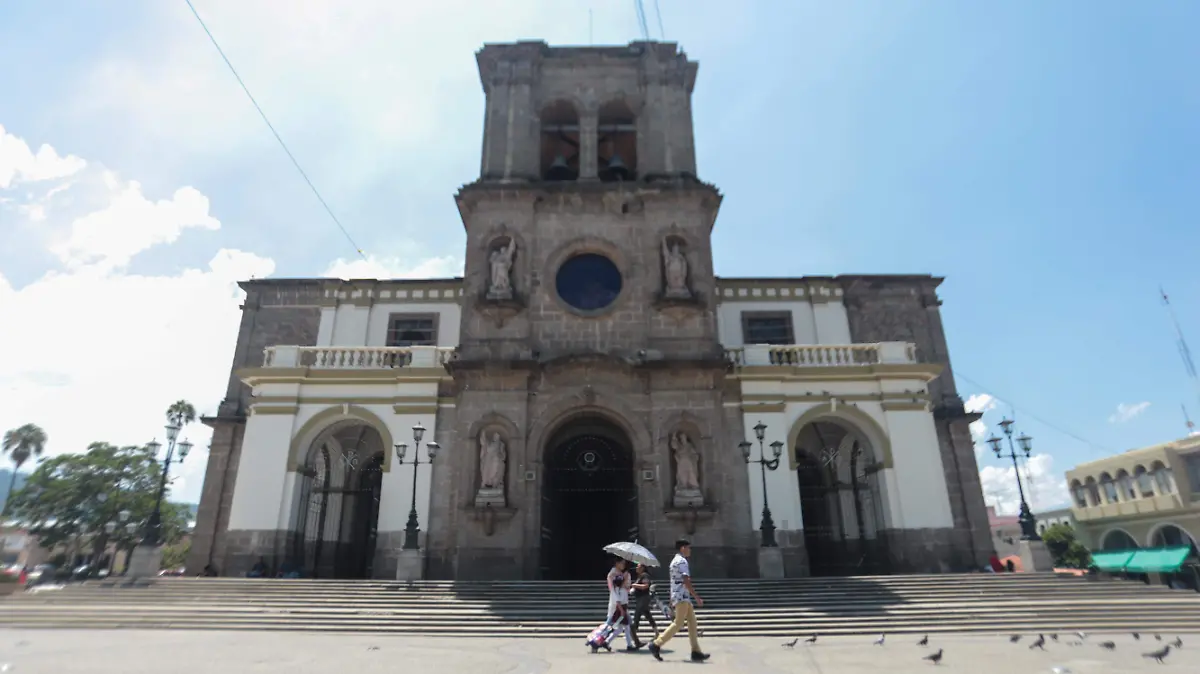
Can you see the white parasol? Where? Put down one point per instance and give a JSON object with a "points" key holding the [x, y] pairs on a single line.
{"points": [[632, 552]]}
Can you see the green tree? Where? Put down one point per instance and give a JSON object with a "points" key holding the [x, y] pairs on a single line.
{"points": [[20, 444], [181, 413], [175, 555], [72, 496], [1067, 551]]}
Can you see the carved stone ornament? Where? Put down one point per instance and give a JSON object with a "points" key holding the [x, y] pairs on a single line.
{"points": [[687, 471], [500, 266], [675, 271], [493, 458]]}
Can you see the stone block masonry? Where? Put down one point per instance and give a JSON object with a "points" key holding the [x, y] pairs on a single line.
{"points": [[274, 312]]}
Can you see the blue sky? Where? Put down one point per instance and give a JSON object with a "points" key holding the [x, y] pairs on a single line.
{"points": [[1043, 157]]}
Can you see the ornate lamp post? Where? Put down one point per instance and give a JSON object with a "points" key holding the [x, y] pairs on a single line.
{"points": [[413, 529], [152, 534], [1026, 518], [760, 432]]}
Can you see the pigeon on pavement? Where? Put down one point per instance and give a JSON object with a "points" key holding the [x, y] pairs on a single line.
{"points": [[935, 658], [811, 640], [924, 641], [1040, 643], [879, 641], [1158, 655], [1108, 645], [791, 644]]}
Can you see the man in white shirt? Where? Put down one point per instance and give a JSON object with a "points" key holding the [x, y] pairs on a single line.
{"points": [[683, 594]]}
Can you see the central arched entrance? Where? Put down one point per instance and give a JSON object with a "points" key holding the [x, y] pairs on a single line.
{"points": [[589, 498]]}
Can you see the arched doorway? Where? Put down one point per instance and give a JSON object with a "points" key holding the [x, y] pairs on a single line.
{"points": [[589, 498], [1117, 539], [338, 503], [840, 500]]}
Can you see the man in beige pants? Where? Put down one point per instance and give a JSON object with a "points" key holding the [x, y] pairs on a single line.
{"points": [[682, 596]]}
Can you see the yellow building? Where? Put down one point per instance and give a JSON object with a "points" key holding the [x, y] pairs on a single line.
{"points": [[1143, 498]]}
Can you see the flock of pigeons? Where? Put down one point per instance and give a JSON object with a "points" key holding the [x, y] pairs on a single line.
{"points": [[1039, 643]]}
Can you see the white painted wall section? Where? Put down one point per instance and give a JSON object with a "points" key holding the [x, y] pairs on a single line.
{"points": [[262, 471], [919, 477]]}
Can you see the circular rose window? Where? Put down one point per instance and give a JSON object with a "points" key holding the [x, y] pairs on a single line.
{"points": [[588, 282]]}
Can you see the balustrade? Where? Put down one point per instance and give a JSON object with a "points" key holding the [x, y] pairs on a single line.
{"points": [[822, 355], [356, 357]]}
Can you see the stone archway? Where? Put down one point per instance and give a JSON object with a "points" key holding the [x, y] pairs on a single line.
{"points": [[337, 507], [589, 497], [841, 499]]}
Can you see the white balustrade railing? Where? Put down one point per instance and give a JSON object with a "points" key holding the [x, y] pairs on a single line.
{"points": [[822, 355], [356, 357]]}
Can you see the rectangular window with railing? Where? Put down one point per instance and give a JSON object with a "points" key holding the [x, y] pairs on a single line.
{"points": [[412, 330], [767, 327]]}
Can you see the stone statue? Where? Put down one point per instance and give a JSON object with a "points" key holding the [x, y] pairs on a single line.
{"points": [[687, 463], [500, 279], [675, 270], [492, 455]]}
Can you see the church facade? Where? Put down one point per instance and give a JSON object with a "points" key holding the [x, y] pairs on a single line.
{"points": [[590, 379]]}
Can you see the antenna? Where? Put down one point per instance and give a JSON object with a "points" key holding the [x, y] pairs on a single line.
{"points": [[1188, 420], [1184, 352], [591, 41]]}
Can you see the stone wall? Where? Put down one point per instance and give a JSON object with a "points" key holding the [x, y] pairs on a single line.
{"points": [[274, 312], [907, 309]]}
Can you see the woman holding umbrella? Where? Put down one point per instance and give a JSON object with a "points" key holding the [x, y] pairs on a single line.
{"points": [[618, 602], [626, 553]]}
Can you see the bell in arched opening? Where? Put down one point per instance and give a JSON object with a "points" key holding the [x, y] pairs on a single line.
{"points": [[559, 169], [616, 170]]}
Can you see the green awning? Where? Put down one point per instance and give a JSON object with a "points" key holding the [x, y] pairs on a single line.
{"points": [[1157, 560], [1112, 561]]}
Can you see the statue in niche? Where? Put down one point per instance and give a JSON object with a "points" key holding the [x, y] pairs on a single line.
{"points": [[492, 456], [675, 271], [500, 277], [687, 465]]}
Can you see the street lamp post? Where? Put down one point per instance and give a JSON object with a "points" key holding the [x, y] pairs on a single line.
{"points": [[152, 534], [1026, 519], [760, 432], [413, 529]]}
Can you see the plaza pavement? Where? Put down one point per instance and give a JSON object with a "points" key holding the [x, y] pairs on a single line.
{"points": [[215, 652]]}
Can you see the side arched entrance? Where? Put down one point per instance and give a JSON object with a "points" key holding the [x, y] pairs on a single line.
{"points": [[589, 498], [337, 514], [841, 500]]}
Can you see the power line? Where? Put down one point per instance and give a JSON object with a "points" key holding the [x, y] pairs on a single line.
{"points": [[662, 33], [1035, 417], [271, 126]]}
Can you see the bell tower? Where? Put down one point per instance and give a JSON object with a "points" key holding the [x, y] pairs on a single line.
{"points": [[588, 230], [588, 334]]}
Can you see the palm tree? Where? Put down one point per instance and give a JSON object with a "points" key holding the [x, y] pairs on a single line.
{"points": [[181, 413], [20, 444]]}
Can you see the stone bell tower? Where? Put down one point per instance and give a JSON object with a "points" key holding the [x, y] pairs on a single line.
{"points": [[589, 361]]}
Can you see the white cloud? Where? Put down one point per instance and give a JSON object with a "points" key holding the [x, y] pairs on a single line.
{"points": [[981, 403], [131, 224], [95, 353], [1045, 488], [18, 163], [1127, 411], [394, 267]]}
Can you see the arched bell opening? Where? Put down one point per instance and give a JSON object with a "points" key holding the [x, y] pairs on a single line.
{"points": [[560, 142], [616, 156]]}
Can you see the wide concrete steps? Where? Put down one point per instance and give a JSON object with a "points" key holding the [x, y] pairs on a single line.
{"points": [[894, 604]]}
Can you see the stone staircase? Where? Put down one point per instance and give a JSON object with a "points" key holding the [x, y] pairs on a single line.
{"points": [[862, 605]]}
